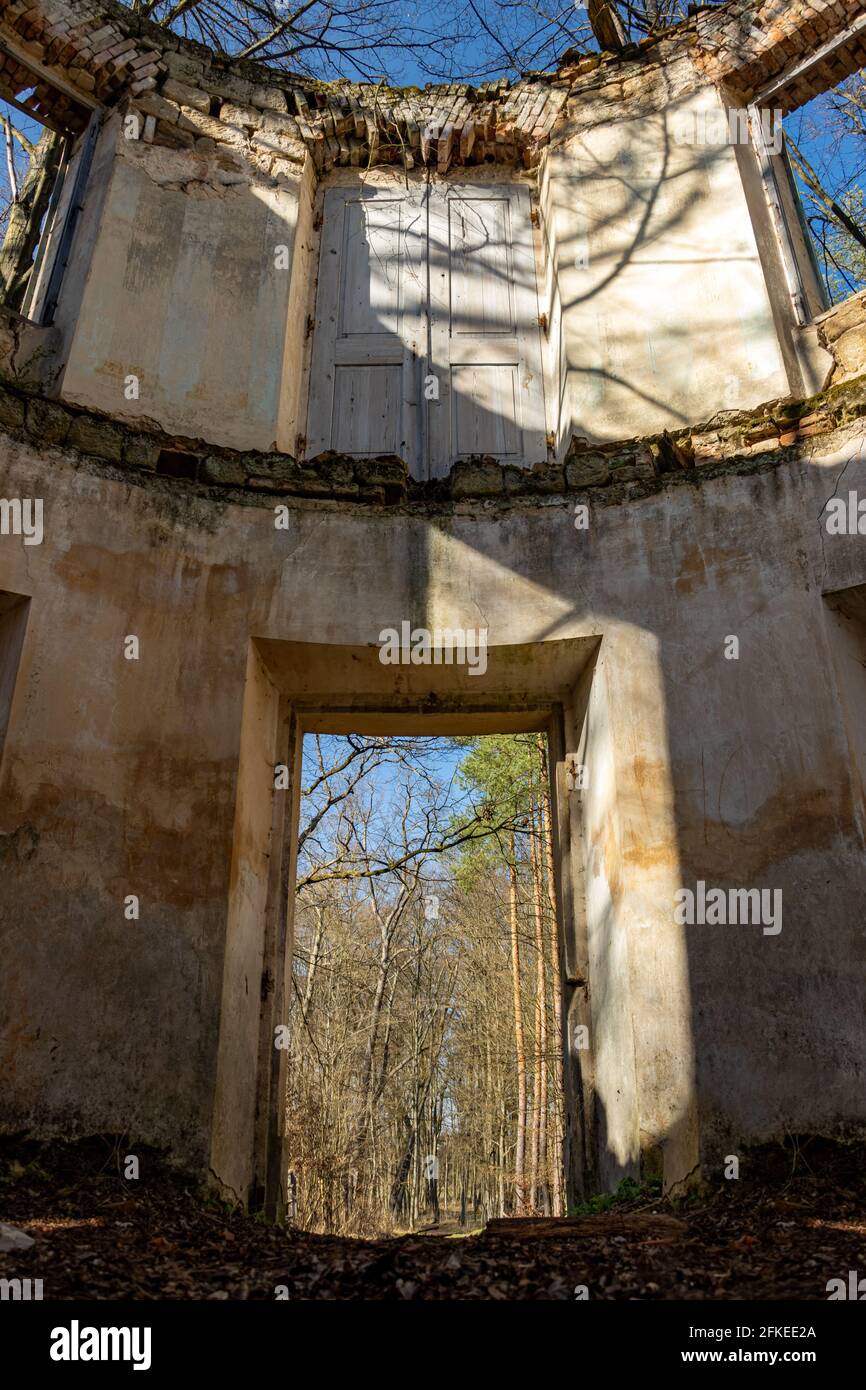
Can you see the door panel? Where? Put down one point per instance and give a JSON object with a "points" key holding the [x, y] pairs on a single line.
{"points": [[484, 410], [480, 242], [365, 379], [486, 349], [371, 268], [367, 402]]}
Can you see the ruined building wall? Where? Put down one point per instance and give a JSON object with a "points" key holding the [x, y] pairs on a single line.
{"points": [[658, 255], [183, 229], [121, 777], [655, 245], [655, 241], [154, 777]]}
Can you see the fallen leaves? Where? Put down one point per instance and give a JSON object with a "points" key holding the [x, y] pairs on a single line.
{"points": [[100, 1236]]}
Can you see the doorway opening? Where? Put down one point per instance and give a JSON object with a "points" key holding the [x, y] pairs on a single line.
{"points": [[425, 1039], [296, 689]]}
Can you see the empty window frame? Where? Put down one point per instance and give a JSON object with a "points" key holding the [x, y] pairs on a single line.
{"points": [[48, 136], [808, 252]]}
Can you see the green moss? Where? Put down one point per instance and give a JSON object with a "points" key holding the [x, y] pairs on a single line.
{"points": [[629, 1190]]}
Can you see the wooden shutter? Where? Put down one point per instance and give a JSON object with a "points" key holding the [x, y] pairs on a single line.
{"points": [[380, 327], [365, 383], [485, 341]]}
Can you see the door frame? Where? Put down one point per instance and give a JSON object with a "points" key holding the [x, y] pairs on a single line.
{"points": [[296, 688]]}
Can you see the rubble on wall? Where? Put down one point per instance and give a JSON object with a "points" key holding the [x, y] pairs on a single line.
{"points": [[189, 96], [617, 472], [842, 333], [192, 96], [358, 125]]}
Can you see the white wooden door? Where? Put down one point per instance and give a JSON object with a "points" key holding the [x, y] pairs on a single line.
{"points": [[485, 343], [365, 383], [430, 283]]}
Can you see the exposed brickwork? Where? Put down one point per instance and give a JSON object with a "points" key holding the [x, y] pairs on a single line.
{"points": [[357, 126], [44, 102], [107, 54], [747, 45], [78, 42]]}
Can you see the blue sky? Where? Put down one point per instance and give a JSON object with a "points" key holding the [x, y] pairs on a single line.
{"points": [[838, 157]]}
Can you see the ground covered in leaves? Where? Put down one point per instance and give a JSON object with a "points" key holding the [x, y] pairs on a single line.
{"points": [[795, 1219]]}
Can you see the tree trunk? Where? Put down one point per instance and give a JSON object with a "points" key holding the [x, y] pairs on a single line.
{"points": [[399, 1188], [539, 1136], [500, 1166], [25, 219], [559, 1118], [315, 951], [520, 1043]]}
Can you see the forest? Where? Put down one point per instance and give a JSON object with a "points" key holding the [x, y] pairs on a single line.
{"points": [[425, 1025]]}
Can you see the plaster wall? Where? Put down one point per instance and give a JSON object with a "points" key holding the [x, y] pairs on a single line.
{"points": [[653, 286], [122, 777], [666, 313], [187, 291]]}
